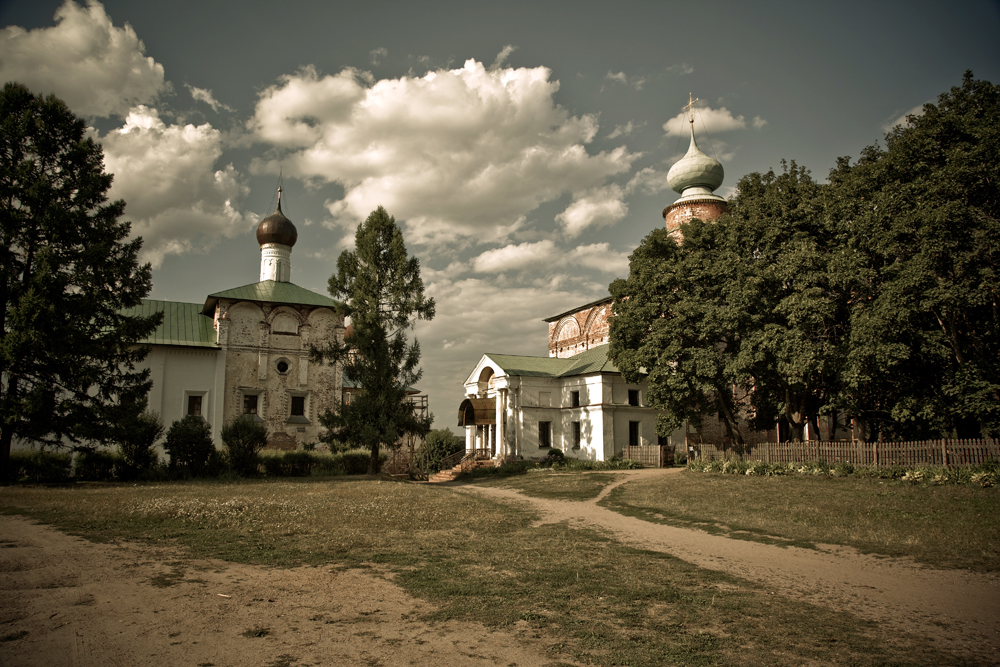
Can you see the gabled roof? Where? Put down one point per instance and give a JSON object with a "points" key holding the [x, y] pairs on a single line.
{"points": [[183, 324], [556, 318], [269, 291], [594, 360]]}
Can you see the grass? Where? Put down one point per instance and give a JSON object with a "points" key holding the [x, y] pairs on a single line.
{"points": [[547, 483], [587, 596], [945, 526]]}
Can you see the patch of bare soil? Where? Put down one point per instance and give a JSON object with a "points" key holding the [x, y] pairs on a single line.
{"points": [[65, 601], [958, 609]]}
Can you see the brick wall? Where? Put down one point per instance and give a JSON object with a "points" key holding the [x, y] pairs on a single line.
{"points": [[579, 331], [704, 209]]}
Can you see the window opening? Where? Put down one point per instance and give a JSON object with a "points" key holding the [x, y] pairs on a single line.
{"points": [[633, 397], [575, 398], [544, 434], [194, 406], [250, 404], [282, 366], [298, 406], [576, 435], [633, 434]]}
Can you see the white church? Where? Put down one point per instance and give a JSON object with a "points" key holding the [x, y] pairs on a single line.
{"points": [[575, 399], [245, 350]]}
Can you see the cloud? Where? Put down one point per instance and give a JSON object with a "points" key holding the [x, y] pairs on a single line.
{"points": [[903, 118], [96, 68], [502, 56], [636, 82], [376, 55], [621, 131], [596, 207], [709, 119], [600, 257], [515, 257], [460, 155], [176, 199], [682, 69], [204, 95]]}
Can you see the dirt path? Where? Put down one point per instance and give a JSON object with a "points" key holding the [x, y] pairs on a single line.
{"points": [[959, 609], [83, 604]]}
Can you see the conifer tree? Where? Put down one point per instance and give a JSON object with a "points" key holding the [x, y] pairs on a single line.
{"points": [[67, 270], [384, 297]]}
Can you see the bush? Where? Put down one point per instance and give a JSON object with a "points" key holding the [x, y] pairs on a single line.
{"points": [[136, 442], [438, 444], [39, 467], [553, 457], [189, 444], [243, 438], [304, 463], [96, 465]]}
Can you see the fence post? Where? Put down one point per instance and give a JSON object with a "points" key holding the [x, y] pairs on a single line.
{"points": [[944, 452]]}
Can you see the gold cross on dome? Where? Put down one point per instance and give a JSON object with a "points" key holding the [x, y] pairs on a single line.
{"points": [[690, 106]]}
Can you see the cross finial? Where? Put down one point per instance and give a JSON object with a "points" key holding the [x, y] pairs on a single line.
{"points": [[690, 106]]}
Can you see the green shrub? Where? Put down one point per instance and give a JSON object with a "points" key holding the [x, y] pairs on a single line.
{"points": [[136, 442], [192, 452], [96, 465], [302, 463], [39, 467], [243, 438], [553, 457], [439, 444]]}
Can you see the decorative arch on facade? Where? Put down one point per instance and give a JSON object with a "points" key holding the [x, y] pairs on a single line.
{"points": [[487, 379], [285, 320], [245, 319], [596, 327]]}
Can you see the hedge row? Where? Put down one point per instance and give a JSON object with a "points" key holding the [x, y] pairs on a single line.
{"points": [[986, 474]]}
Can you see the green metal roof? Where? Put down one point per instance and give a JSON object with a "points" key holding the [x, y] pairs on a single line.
{"points": [[594, 360], [270, 291], [183, 324]]}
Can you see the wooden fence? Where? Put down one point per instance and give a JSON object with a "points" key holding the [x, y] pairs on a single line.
{"points": [[655, 456], [927, 452]]}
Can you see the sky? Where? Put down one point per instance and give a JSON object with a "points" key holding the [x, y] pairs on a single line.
{"points": [[522, 146]]}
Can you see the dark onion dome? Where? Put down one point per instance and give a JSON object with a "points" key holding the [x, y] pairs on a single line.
{"points": [[276, 228]]}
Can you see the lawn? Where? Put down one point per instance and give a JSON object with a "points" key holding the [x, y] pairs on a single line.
{"points": [[479, 560]]}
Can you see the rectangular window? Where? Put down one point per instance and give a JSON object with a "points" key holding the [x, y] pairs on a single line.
{"points": [[347, 398], [633, 397], [298, 406], [194, 406], [250, 404], [576, 435], [633, 434], [544, 434], [574, 397]]}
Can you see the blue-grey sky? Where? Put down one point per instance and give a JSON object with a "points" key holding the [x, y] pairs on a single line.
{"points": [[522, 146]]}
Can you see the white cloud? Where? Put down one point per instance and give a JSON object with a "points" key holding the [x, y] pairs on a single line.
{"points": [[601, 257], [710, 120], [502, 56], [596, 207], [621, 131], [376, 55], [176, 199], [636, 82], [902, 118], [515, 257], [96, 68], [459, 155], [682, 69], [204, 95]]}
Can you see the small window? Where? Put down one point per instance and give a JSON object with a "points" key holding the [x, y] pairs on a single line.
{"points": [[298, 406], [250, 404], [633, 434], [574, 397], [282, 366], [544, 434], [194, 406], [576, 435], [633, 397], [347, 398]]}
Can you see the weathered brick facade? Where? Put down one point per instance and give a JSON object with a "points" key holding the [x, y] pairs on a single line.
{"points": [[679, 213], [577, 331]]}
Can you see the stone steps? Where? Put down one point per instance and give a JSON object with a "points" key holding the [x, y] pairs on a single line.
{"points": [[450, 475]]}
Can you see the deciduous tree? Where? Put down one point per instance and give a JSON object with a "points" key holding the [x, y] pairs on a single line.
{"points": [[68, 354]]}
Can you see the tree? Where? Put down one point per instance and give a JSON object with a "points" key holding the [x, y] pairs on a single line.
{"points": [[922, 219], [189, 444], [439, 444], [243, 438], [68, 353], [136, 439], [384, 296]]}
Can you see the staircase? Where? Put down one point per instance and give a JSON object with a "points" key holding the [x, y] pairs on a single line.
{"points": [[469, 461]]}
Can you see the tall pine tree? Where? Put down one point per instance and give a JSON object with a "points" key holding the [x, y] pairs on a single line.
{"points": [[384, 297], [68, 354]]}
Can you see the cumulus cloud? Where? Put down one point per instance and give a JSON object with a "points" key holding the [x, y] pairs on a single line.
{"points": [[636, 82], [459, 155], [596, 207], [601, 257], [176, 199], [502, 56], [621, 130], [515, 257], [204, 95], [96, 68], [378, 54], [683, 69], [712, 120]]}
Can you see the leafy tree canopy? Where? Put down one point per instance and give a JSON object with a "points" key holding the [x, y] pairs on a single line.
{"points": [[384, 297], [68, 354]]}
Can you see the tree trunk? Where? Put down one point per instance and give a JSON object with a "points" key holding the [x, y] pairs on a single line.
{"points": [[373, 462]]}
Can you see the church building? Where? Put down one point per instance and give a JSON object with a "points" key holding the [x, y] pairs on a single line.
{"points": [[245, 350], [575, 399]]}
